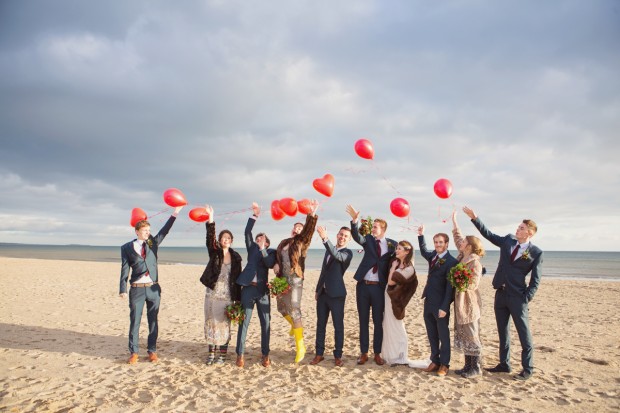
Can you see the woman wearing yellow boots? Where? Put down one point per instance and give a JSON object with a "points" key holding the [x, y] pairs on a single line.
{"points": [[290, 258]]}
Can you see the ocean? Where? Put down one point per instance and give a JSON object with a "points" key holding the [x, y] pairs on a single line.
{"points": [[585, 265]]}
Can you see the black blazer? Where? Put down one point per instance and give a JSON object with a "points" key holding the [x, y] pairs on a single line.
{"points": [[257, 264], [216, 256], [131, 259], [438, 290], [510, 274], [332, 272], [371, 257]]}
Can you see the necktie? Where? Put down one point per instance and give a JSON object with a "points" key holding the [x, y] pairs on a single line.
{"points": [[143, 250], [375, 268], [514, 253], [434, 261]]}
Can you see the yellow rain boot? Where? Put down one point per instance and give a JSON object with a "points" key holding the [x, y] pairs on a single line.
{"points": [[299, 344], [290, 321]]}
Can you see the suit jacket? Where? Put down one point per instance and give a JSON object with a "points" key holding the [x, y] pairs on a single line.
{"points": [[332, 272], [371, 257], [401, 293], [512, 274], [258, 264], [438, 290], [131, 259], [216, 257], [298, 247]]}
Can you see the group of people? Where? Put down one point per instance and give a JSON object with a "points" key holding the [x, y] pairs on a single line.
{"points": [[386, 282]]}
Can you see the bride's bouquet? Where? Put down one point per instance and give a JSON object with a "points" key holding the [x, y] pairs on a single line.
{"points": [[235, 312], [366, 226], [278, 286], [460, 276]]}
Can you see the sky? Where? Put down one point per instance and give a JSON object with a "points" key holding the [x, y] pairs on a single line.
{"points": [[105, 105]]}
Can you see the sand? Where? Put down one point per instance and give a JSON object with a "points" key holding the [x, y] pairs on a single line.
{"points": [[63, 347]]}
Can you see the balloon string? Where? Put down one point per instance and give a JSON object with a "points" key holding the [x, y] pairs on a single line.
{"points": [[385, 178], [231, 213], [160, 212]]}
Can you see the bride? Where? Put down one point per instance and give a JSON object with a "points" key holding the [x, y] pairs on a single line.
{"points": [[402, 283]]}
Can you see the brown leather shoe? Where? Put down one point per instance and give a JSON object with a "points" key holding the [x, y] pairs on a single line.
{"points": [[338, 362], [431, 368], [379, 360], [317, 359], [153, 357], [133, 359], [443, 370], [240, 361], [362, 359], [265, 361]]}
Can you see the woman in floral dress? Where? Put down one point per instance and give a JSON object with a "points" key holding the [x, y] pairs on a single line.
{"points": [[219, 277], [468, 303]]}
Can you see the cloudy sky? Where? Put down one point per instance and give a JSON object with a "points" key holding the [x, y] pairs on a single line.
{"points": [[105, 105]]}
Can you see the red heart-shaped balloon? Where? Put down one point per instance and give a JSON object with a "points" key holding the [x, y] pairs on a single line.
{"points": [[276, 212], [199, 214], [174, 197], [289, 206], [324, 185], [364, 149], [304, 206], [137, 214]]}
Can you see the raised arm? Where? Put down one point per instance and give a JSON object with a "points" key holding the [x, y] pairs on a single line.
{"points": [[249, 239], [456, 231], [484, 231], [355, 231], [167, 226], [211, 242]]}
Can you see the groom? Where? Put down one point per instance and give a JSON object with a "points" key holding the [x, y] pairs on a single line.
{"points": [[371, 277], [518, 257]]}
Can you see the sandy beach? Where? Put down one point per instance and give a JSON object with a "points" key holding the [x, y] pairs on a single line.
{"points": [[63, 347]]}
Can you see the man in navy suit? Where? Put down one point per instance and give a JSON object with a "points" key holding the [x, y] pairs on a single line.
{"points": [[253, 280], [437, 296], [371, 277], [518, 257], [330, 293], [140, 255]]}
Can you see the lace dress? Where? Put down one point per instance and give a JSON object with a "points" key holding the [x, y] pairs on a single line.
{"points": [[468, 306], [217, 324], [290, 303], [395, 346]]}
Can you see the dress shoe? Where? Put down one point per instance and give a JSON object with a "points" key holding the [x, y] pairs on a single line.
{"points": [[153, 357], [379, 360], [133, 359], [317, 359], [265, 361], [524, 375], [500, 368], [338, 362], [240, 361], [443, 370], [362, 359], [431, 368]]}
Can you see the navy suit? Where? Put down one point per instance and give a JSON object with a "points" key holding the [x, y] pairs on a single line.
{"points": [[130, 259], [331, 294], [371, 296], [437, 296], [258, 265], [513, 294]]}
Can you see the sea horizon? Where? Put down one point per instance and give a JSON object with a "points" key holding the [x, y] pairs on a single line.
{"points": [[573, 265]]}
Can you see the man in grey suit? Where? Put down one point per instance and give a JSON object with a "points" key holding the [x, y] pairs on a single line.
{"points": [[253, 280], [371, 277], [437, 296], [140, 255], [330, 293], [518, 257]]}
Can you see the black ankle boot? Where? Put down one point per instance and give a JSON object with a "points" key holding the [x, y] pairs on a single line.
{"points": [[466, 367], [475, 370]]}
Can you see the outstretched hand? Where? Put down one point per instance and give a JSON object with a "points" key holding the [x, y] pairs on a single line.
{"points": [[421, 229], [255, 209], [209, 210], [353, 213], [469, 212]]}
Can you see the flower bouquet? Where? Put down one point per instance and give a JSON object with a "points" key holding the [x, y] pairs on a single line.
{"points": [[235, 312], [366, 226], [460, 276], [278, 286]]}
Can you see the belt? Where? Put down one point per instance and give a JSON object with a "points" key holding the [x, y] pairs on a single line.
{"points": [[143, 285], [371, 282], [254, 284]]}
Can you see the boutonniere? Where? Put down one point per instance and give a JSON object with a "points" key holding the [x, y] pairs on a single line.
{"points": [[149, 242], [390, 245], [441, 261], [525, 255]]}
